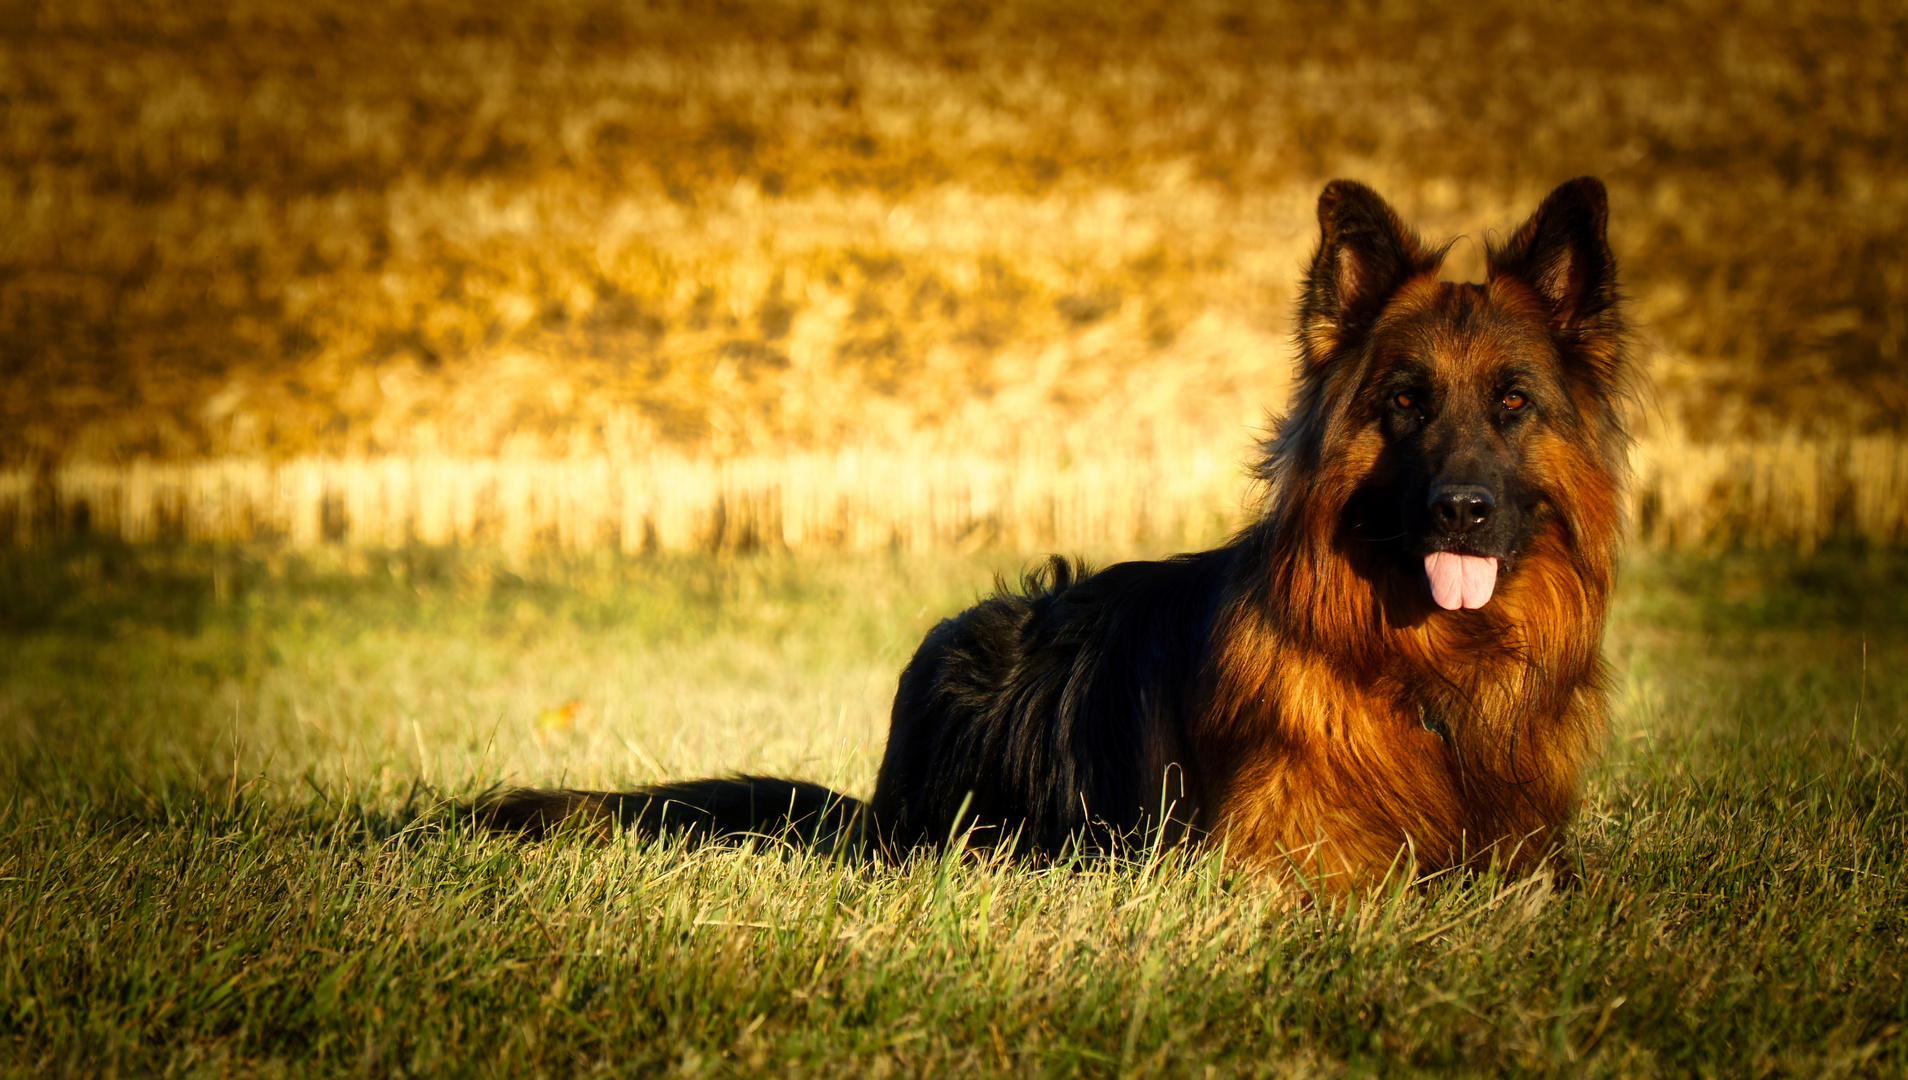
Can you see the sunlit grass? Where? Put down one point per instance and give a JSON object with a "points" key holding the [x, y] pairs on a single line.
{"points": [[1172, 493], [218, 851]]}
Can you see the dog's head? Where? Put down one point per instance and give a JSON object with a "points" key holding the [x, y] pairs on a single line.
{"points": [[1462, 415]]}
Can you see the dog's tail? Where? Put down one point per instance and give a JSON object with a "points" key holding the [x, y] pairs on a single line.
{"points": [[697, 811]]}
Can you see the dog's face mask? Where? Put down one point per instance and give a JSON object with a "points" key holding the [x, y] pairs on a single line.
{"points": [[1459, 389], [1464, 388]]}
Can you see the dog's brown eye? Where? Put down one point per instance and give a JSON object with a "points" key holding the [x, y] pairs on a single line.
{"points": [[1405, 401], [1514, 401]]}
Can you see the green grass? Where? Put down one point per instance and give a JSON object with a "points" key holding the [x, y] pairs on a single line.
{"points": [[215, 852]]}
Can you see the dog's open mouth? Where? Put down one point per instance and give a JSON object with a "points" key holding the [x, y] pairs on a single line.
{"points": [[1457, 580]]}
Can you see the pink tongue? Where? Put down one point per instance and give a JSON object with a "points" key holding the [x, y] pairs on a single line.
{"points": [[1460, 580]]}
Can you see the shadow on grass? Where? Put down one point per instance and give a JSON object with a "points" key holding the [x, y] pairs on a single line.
{"points": [[99, 589], [1845, 587]]}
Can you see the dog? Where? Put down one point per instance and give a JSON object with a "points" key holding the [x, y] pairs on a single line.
{"points": [[1396, 664]]}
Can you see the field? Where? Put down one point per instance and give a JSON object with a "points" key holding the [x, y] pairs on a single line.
{"points": [[293, 271], [272, 229], [400, 399], [221, 850], [1186, 493]]}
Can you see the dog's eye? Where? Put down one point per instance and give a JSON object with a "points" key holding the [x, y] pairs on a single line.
{"points": [[1406, 401], [1515, 401]]}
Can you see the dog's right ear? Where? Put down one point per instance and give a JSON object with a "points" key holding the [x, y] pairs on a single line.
{"points": [[1364, 255]]}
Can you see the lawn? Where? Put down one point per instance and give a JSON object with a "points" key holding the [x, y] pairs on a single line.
{"points": [[221, 851]]}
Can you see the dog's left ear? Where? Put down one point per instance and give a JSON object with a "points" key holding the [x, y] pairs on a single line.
{"points": [[1563, 254]]}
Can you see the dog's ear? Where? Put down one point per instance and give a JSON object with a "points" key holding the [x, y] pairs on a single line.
{"points": [[1563, 253], [1364, 255]]}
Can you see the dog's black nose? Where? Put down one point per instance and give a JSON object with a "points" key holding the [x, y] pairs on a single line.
{"points": [[1460, 508]]}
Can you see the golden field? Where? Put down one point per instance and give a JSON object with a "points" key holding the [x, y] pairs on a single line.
{"points": [[1770, 492], [823, 273]]}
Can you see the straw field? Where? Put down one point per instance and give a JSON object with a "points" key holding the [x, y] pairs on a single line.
{"points": [[1694, 494], [309, 238]]}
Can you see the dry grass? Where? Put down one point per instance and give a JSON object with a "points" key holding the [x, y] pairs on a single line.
{"points": [[1173, 495], [860, 501], [1771, 491], [282, 230]]}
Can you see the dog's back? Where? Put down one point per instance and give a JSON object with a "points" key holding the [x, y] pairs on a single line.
{"points": [[1056, 713]]}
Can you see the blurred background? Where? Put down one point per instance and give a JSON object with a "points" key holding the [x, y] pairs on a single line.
{"points": [[814, 274]]}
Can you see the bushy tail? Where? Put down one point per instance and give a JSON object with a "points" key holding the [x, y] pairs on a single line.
{"points": [[696, 810]]}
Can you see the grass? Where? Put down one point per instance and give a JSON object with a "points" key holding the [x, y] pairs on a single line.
{"points": [[215, 856], [556, 227]]}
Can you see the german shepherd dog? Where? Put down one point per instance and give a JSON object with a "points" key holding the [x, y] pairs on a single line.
{"points": [[1396, 664]]}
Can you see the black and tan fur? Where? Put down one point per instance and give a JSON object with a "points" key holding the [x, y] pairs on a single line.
{"points": [[1295, 695]]}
